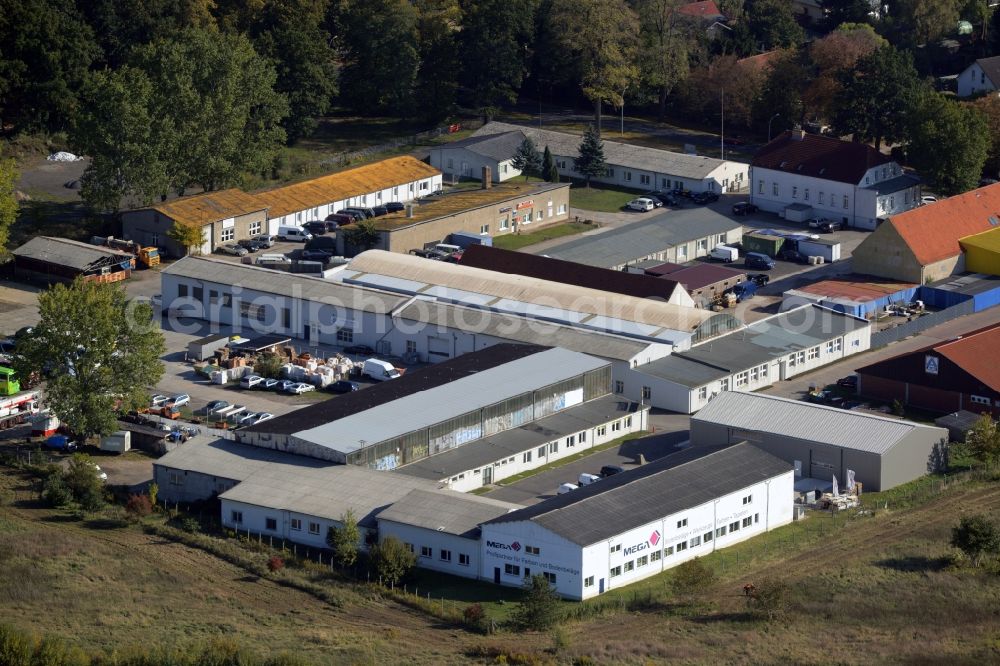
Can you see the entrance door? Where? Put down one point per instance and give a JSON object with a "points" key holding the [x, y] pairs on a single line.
{"points": [[600, 587], [496, 576], [527, 573], [439, 347], [488, 475], [466, 171], [312, 330]]}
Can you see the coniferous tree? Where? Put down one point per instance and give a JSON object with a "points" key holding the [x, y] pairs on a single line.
{"points": [[590, 162]]}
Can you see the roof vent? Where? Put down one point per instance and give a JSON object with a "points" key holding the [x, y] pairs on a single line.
{"points": [[994, 221]]}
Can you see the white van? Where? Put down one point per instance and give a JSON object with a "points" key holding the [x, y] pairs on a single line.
{"points": [[566, 488], [272, 259], [379, 370], [587, 479], [293, 234], [642, 204], [725, 253]]}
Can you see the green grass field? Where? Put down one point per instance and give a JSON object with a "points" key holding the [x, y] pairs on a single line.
{"points": [[517, 241], [602, 199]]}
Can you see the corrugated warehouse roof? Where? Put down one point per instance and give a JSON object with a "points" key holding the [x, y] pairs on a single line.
{"points": [[853, 290], [516, 441], [932, 231], [760, 342], [684, 480], [326, 492], [229, 460], [695, 276], [518, 294], [209, 207], [818, 156], [567, 272], [499, 147], [342, 185], [802, 420], [446, 511], [65, 252], [280, 283], [694, 167], [638, 241], [520, 329], [420, 410]]}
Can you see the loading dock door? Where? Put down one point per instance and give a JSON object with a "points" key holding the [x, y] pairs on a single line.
{"points": [[440, 347]]}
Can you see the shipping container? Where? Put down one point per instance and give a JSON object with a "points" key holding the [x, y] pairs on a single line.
{"points": [[828, 249], [763, 243], [204, 348]]}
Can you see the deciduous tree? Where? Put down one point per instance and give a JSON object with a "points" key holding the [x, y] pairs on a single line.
{"points": [[665, 40], [344, 540], [989, 107], [8, 203], [601, 38], [939, 121], [835, 53], [590, 161], [97, 350], [915, 22], [189, 236], [976, 537], [876, 97], [983, 440], [391, 560], [437, 43], [846, 11], [83, 483], [772, 25], [690, 577]]}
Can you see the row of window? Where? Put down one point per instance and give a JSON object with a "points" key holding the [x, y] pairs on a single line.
{"points": [[444, 554], [271, 524], [821, 201], [515, 570], [678, 547]]}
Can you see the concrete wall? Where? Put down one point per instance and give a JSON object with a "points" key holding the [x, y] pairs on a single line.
{"points": [[458, 163], [177, 485], [885, 254], [310, 531], [910, 458], [441, 546], [499, 219], [149, 227]]}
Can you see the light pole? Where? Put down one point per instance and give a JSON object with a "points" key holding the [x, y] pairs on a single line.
{"points": [[769, 126], [623, 111]]}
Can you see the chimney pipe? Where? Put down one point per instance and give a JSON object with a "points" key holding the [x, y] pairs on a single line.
{"points": [[487, 178]]}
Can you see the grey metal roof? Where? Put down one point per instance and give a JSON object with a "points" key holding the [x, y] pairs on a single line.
{"points": [[516, 441], [520, 329], [499, 147], [426, 408], [969, 284], [815, 423], [658, 161], [227, 459], [664, 487], [765, 340], [285, 284], [896, 184], [327, 492], [684, 371], [67, 252], [446, 511], [637, 241]]}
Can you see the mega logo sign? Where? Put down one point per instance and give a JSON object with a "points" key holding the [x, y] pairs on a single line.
{"points": [[504, 546], [651, 542]]}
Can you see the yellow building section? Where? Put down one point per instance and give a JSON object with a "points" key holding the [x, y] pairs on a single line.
{"points": [[982, 252]]}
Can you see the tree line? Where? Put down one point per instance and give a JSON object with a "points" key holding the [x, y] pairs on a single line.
{"points": [[168, 95]]}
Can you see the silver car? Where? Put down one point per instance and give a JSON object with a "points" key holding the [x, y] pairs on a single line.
{"points": [[232, 249]]}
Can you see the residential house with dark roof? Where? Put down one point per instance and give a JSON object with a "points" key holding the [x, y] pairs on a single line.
{"points": [[982, 76], [224, 216], [799, 176], [397, 179], [568, 272], [925, 244], [949, 376], [629, 165], [46, 259]]}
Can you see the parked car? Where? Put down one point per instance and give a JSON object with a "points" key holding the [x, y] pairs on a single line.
{"points": [[179, 400], [316, 255], [611, 470], [60, 443], [354, 215], [315, 227], [215, 406], [247, 419], [830, 226], [380, 211], [269, 384], [361, 350], [339, 219], [264, 416], [655, 198], [705, 197], [300, 388], [232, 249], [566, 488], [293, 233], [724, 253], [642, 204], [665, 198], [816, 222], [793, 255], [849, 382], [759, 279], [157, 401], [744, 208], [927, 199], [587, 479], [343, 386], [251, 381], [758, 261], [266, 239], [284, 385], [251, 245], [395, 206]]}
